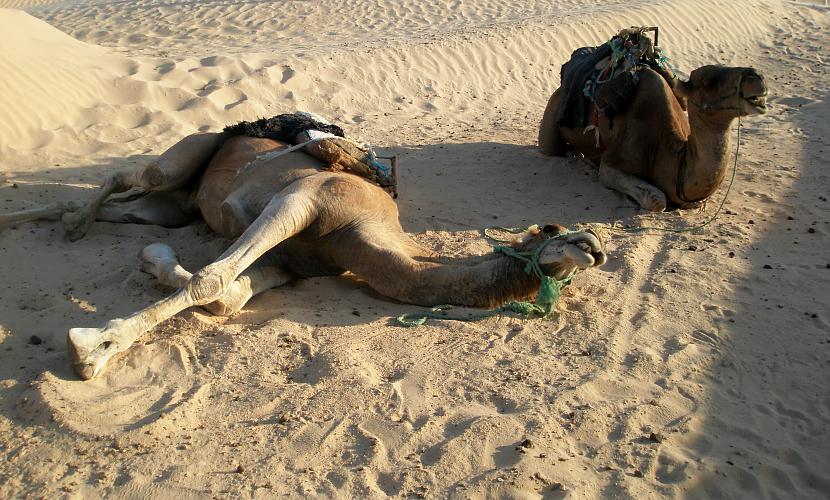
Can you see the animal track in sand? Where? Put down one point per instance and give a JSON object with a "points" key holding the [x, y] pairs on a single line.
{"points": [[227, 97], [152, 380], [132, 117], [761, 196]]}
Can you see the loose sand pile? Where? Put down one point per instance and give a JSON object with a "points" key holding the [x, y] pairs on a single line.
{"points": [[690, 365]]}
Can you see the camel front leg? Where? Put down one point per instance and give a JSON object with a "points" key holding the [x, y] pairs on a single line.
{"points": [[288, 213], [646, 195], [91, 348]]}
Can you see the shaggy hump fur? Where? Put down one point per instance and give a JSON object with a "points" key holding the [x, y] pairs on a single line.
{"points": [[283, 128]]}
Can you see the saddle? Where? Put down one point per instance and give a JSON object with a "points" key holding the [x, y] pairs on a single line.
{"points": [[607, 75], [315, 136]]}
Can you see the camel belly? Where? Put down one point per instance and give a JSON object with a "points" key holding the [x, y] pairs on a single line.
{"points": [[235, 188]]}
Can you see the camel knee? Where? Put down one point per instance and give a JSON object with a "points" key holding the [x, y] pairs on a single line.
{"points": [[207, 286], [120, 182], [151, 176], [653, 199]]}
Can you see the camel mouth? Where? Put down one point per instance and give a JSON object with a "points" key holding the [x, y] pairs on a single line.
{"points": [[595, 257], [758, 102]]}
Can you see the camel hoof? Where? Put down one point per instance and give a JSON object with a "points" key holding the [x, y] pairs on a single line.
{"points": [[158, 259], [90, 349], [76, 224]]}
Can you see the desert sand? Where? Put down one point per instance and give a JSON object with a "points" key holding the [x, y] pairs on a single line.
{"points": [[691, 365]]}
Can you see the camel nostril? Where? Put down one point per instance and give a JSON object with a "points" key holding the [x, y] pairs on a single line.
{"points": [[85, 370], [599, 258]]}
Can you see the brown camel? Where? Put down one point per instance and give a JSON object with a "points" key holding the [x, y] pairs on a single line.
{"points": [[652, 151], [290, 219]]}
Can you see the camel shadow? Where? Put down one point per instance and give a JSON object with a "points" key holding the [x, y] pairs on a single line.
{"points": [[458, 187], [763, 397]]}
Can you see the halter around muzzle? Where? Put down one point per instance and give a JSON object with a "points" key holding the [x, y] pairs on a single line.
{"points": [[716, 105], [550, 288], [532, 258]]}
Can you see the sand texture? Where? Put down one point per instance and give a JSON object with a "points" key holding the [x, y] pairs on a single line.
{"points": [[693, 365]]}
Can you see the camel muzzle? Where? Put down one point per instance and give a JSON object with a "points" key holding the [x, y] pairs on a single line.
{"points": [[754, 90]]}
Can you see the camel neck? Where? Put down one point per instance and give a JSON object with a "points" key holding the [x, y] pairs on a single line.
{"points": [[707, 155], [489, 283]]}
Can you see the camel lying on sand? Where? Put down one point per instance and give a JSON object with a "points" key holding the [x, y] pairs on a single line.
{"points": [[290, 219], [652, 151]]}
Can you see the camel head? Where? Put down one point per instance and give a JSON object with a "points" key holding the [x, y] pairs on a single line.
{"points": [[726, 92], [564, 252]]}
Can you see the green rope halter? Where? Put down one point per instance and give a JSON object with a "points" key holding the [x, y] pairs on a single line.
{"points": [[549, 292]]}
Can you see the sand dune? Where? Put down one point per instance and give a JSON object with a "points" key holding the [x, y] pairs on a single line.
{"points": [[691, 365]]}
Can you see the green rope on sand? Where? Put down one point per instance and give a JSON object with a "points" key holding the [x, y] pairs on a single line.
{"points": [[549, 292]]}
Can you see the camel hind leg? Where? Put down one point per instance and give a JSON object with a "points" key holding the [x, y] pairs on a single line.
{"points": [[174, 209], [53, 211], [160, 260], [173, 170]]}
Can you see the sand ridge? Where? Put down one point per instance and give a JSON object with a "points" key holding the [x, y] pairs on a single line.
{"points": [[690, 365]]}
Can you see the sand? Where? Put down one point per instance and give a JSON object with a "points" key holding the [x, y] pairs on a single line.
{"points": [[692, 365]]}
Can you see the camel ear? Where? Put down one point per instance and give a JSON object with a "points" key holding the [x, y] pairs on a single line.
{"points": [[525, 237]]}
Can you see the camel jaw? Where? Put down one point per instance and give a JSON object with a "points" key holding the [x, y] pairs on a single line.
{"points": [[578, 250], [757, 104], [595, 257]]}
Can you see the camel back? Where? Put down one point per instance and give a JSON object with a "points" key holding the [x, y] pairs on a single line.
{"points": [[607, 76], [324, 141]]}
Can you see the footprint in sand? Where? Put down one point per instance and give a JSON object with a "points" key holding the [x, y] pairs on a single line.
{"points": [[227, 97], [150, 380]]}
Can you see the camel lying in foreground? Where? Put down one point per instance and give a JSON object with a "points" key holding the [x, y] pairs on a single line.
{"points": [[652, 151], [290, 219]]}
